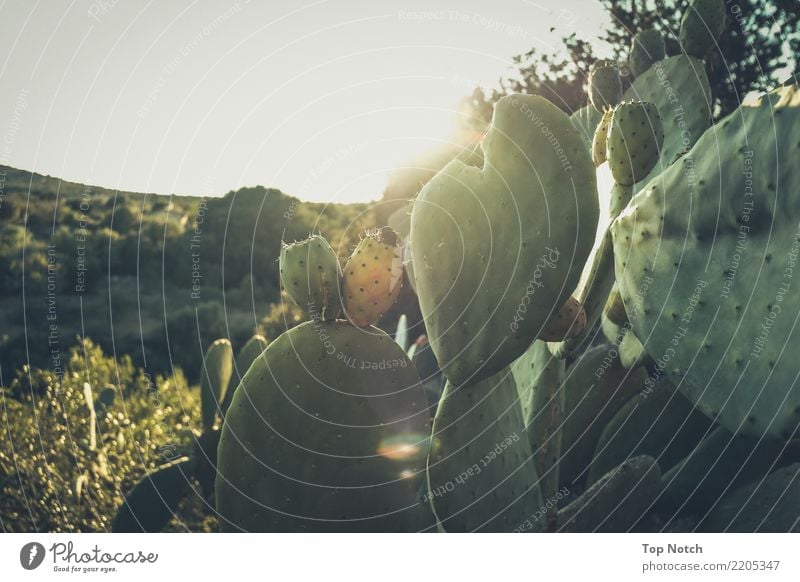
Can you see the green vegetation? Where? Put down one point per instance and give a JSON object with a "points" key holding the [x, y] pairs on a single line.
{"points": [[156, 277]]}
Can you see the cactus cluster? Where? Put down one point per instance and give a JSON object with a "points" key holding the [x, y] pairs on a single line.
{"points": [[572, 375]]}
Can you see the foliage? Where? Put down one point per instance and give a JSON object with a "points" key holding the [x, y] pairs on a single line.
{"points": [[51, 479]]}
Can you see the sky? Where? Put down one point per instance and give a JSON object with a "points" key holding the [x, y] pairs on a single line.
{"points": [[322, 99]]}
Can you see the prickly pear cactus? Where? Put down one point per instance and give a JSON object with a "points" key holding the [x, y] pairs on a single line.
{"points": [[153, 501], [481, 473], [596, 387], [311, 276], [701, 26], [765, 505], [214, 379], [617, 501], [498, 249], [658, 421], [647, 47], [635, 137], [600, 138], [329, 431], [721, 463], [705, 261], [373, 276], [605, 85], [678, 86]]}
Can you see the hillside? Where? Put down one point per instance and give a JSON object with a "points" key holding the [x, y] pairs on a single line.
{"points": [[154, 276]]}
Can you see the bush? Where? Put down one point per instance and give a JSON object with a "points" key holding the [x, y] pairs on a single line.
{"points": [[55, 476]]}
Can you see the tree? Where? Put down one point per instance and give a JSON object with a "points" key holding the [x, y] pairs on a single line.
{"points": [[755, 50]]}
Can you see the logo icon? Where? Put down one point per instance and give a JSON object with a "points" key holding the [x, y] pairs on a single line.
{"points": [[31, 555]]}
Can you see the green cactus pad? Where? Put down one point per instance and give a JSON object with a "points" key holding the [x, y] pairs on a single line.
{"points": [[605, 85], [214, 379], [617, 501], [497, 250], [768, 505], [721, 463], [311, 276], [152, 502], [647, 47], [328, 431], [660, 423], [705, 256], [244, 359], [481, 473], [635, 137], [701, 26], [678, 86], [596, 387]]}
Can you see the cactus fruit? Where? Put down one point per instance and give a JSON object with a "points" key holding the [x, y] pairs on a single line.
{"points": [[214, 379], [328, 431], [596, 387], [605, 85], [721, 463], [635, 137], [568, 322], [373, 277], [481, 473], [766, 505], [660, 423], [701, 26], [498, 249], [702, 254], [152, 502], [617, 501], [647, 48], [678, 86], [600, 138], [311, 276]]}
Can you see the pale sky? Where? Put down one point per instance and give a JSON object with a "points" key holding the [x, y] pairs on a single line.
{"points": [[320, 99]]}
